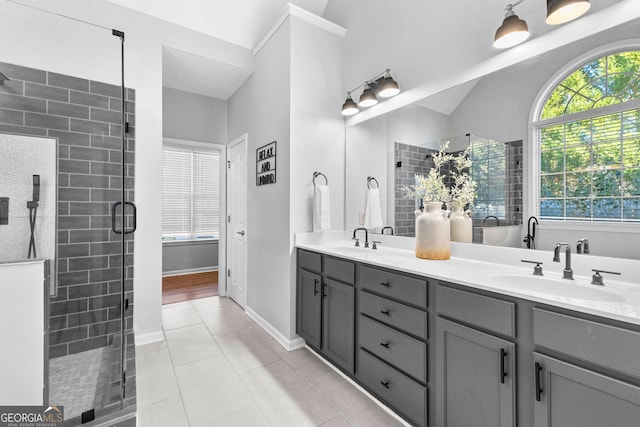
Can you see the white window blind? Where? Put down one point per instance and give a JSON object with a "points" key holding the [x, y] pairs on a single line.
{"points": [[190, 193]]}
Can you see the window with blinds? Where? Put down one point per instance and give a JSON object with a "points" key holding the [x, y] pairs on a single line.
{"points": [[589, 143], [190, 193]]}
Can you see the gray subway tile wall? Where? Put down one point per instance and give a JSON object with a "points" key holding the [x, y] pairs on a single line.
{"points": [[414, 160], [85, 117]]}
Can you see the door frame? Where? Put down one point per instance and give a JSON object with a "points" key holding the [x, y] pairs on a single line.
{"points": [[187, 143], [241, 139]]}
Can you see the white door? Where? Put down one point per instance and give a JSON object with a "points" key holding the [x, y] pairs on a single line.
{"points": [[236, 220]]}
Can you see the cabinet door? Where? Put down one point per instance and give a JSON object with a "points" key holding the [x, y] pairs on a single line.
{"points": [[567, 395], [309, 307], [475, 385], [338, 324]]}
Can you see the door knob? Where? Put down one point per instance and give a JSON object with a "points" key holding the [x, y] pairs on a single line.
{"points": [[240, 232]]}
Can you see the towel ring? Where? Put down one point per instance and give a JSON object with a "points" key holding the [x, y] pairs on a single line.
{"points": [[317, 174], [369, 179]]}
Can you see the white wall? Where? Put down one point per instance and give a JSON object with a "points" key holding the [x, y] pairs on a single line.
{"points": [[261, 108], [57, 44], [193, 117], [317, 130], [293, 97], [22, 157]]}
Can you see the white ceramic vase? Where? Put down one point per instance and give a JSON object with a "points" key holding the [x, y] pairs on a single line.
{"points": [[461, 225], [433, 233]]}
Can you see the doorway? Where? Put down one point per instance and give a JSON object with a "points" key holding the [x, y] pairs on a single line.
{"points": [[192, 208], [237, 220]]}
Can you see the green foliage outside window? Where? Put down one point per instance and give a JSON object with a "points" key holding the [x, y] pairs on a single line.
{"points": [[590, 167]]}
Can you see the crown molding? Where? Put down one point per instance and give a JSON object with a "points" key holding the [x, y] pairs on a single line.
{"points": [[305, 15]]}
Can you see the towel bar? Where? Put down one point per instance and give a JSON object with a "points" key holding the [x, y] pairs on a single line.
{"points": [[369, 179], [317, 174]]}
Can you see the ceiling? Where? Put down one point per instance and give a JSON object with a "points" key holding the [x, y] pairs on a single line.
{"points": [[239, 22]]}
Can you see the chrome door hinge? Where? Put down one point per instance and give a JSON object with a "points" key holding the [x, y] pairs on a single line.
{"points": [[229, 273], [228, 164], [229, 218]]}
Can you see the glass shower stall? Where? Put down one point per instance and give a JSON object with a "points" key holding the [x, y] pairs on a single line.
{"points": [[69, 203]]}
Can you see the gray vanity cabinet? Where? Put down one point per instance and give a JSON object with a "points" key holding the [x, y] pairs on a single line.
{"points": [[571, 392], [325, 306], [475, 370], [337, 324], [309, 307], [568, 395], [475, 382]]}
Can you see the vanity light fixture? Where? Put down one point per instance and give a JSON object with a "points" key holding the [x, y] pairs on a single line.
{"points": [[561, 11], [513, 30], [382, 85]]}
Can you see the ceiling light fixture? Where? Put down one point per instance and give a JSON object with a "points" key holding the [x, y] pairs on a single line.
{"points": [[382, 85], [561, 11], [513, 30]]}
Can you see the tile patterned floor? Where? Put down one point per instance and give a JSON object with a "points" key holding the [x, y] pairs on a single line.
{"points": [[80, 381], [216, 367]]}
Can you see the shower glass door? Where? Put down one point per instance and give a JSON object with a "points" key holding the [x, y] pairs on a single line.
{"points": [[89, 348]]}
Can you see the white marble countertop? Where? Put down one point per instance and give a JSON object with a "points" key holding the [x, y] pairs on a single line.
{"points": [[500, 270]]}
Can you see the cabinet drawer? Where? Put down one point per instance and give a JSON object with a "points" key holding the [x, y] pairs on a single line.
{"points": [[400, 350], [338, 269], [309, 260], [604, 345], [484, 312], [403, 317], [403, 288], [405, 395]]}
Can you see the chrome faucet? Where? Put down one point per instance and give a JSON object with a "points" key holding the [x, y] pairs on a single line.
{"points": [[583, 246], [366, 237], [567, 273]]}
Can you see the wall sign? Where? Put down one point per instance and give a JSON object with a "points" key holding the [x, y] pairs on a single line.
{"points": [[266, 164]]}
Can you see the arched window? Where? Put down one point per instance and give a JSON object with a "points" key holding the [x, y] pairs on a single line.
{"points": [[588, 135]]}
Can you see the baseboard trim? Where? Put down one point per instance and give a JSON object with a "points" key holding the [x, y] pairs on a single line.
{"points": [[360, 388], [189, 271], [143, 339], [288, 344]]}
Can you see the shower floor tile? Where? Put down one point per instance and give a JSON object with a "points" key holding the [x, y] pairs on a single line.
{"points": [[79, 382]]}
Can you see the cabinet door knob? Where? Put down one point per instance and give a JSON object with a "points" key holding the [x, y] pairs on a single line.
{"points": [[385, 344], [385, 284], [385, 384], [385, 312]]}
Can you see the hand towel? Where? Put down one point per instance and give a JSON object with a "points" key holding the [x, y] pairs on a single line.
{"points": [[321, 209], [373, 212]]}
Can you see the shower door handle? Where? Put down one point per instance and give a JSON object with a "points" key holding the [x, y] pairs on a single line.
{"points": [[114, 207], [135, 218]]}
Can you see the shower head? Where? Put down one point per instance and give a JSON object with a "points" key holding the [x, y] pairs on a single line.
{"points": [[3, 78]]}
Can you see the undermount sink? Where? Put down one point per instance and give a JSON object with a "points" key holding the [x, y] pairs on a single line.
{"points": [[557, 287], [352, 249]]}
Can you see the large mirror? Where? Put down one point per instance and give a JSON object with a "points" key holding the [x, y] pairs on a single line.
{"points": [[494, 108]]}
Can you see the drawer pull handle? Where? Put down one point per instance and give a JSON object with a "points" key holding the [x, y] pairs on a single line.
{"points": [[315, 287], [385, 344], [385, 384], [503, 372], [385, 312], [385, 284], [538, 386]]}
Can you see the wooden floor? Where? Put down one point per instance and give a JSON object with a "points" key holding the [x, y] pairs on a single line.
{"points": [[189, 286]]}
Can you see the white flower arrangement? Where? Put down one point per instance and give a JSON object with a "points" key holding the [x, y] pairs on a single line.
{"points": [[463, 191], [432, 187]]}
